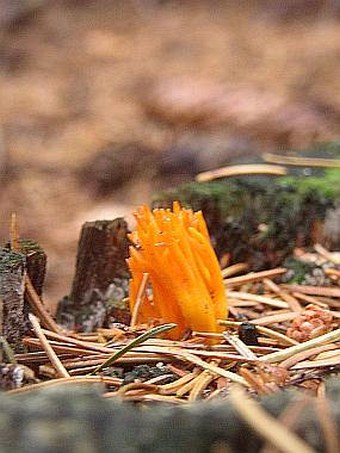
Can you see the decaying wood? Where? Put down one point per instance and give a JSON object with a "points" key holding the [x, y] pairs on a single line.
{"points": [[36, 261], [22, 274], [12, 289], [102, 250]]}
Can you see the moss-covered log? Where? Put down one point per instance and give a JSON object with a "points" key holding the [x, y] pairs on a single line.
{"points": [[68, 419], [260, 219]]}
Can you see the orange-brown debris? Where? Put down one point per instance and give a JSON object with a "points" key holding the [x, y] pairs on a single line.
{"points": [[312, 322]]}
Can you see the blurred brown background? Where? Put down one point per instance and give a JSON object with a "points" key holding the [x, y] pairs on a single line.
{"points": [[104, 102]]}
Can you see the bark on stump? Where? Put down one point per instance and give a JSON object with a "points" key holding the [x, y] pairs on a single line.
{"points": [[14, 265], [12, 289], [102, 251], [36, 260]]}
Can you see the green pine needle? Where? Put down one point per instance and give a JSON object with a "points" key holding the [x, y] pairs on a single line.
{"points": [[136, 342]]}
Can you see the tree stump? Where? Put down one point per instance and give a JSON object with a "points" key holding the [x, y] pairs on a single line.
{"points": [[100, 284], [36, 260], [102, 251], [12, 289]]}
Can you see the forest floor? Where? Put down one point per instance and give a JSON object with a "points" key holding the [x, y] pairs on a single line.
{"points": [[159, 78]]}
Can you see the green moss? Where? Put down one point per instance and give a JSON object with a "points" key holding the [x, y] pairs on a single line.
{"points": [[327, 185], [260, 219], [9, 260], [297, 270]]}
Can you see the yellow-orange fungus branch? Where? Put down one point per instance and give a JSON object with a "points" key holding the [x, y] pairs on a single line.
{"points": [[174, 249]]}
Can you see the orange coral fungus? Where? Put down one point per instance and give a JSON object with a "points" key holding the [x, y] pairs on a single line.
{"points": [[174, 248]]}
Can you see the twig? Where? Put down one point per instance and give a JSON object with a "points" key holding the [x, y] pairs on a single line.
{"points": [[309, 299], [136, 386], [186, 388], [213, 368], [255, 382], [172, 387], [333, 273], [261, 329]]}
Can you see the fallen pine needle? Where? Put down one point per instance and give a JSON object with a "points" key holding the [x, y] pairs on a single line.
{"points": [[201, 383], [139, 299], [240, 347], [271, 319], [258, 298], [236, 170], [327, 254], [289, 352], [56, 362], [255, 276], [277, 335], [331, 361], [135, 342], [39, 308], [326, 421], [172, 387], [300, 161], [234, 269], [82, 380], [291, 301], [265, 424], [313, 290], [290, 417], [213, 368]]}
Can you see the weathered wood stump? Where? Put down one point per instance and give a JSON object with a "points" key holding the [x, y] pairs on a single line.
{"points": [[101, 276], [14, 265], [12, 289], [102, 250], [36, 260]]}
